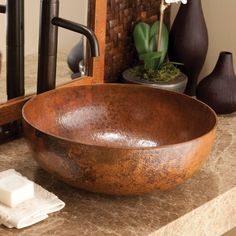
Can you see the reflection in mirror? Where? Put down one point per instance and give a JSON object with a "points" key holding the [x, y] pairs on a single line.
{"points": [[68, 44]]}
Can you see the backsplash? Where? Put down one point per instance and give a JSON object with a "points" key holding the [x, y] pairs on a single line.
{"points": [[121, 16]]}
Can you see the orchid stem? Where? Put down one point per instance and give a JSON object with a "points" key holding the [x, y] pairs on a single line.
{"points": [[163, 6]]}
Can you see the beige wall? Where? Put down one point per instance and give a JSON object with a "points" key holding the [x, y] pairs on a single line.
{"points": [[75, 10], [220, 18]]}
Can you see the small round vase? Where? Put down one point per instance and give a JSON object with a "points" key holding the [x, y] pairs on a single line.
{"points": [[189, 42], [218, 89], [75, 55]]}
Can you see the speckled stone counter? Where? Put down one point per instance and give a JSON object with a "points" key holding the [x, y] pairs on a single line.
{"points": [[204, 205]]}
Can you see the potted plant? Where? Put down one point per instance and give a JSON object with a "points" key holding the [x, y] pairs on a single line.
{"points": [[151, 42]]}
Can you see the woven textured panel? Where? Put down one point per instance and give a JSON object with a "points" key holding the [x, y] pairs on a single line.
{"points": [[121, 17]]}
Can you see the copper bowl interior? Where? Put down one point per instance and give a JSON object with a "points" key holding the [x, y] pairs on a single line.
{"points": [[119, 116]]}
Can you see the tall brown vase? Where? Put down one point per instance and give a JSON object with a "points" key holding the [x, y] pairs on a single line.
{"points": [[189, 42], [218, 89]]}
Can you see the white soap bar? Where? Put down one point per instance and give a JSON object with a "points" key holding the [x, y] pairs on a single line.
{"points": [[15, 189]]}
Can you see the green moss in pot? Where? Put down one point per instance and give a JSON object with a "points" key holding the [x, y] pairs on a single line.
{"points": [[151, 42]]}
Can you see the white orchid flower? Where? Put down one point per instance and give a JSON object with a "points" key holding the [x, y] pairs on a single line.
{"points": [[176, 1]]}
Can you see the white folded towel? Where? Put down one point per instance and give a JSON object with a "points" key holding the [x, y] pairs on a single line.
{"points": [[31, 211]]}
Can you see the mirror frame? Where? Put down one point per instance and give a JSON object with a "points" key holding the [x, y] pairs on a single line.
{"points": [[10, 111]]}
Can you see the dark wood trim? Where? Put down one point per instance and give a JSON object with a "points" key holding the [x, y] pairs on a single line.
{"points": [[11, 110]]}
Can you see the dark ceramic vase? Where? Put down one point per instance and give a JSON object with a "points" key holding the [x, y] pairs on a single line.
{"points": [[189, 42], [218, 89], [75, 55]]}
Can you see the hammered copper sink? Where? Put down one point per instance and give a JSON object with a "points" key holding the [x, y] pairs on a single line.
{"points": [[119, 139]]}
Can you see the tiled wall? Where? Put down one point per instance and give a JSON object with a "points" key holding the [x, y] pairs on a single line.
{"points": [[121, 16]]}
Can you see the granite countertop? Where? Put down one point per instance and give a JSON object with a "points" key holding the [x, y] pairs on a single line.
{"points": [[204, 205]]}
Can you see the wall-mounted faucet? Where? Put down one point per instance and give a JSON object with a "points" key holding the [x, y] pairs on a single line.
{"points": [[48, 43]]}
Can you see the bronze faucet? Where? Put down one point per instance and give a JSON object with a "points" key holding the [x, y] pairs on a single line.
{"points": [[48, 42]]}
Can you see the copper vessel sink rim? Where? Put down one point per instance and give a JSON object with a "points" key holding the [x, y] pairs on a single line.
{"points": [[212, 129]]}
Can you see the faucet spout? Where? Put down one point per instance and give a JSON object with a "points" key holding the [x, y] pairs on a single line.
{"points": [[82, 29]]}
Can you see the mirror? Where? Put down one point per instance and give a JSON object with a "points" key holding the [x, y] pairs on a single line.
{"points": [[74, 10]]}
